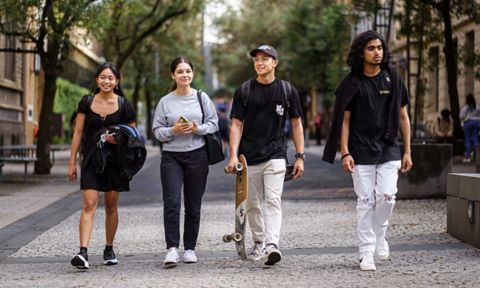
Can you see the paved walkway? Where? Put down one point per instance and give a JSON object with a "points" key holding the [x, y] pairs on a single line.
{"points": [[318, 242]]}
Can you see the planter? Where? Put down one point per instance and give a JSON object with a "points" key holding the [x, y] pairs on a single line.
{"points": [[428, 179]]}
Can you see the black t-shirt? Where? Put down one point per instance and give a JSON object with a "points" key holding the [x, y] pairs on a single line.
{"points": [[264, 117], [369, 112]]}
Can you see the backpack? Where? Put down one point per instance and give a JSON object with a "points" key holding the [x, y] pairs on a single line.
{"points": [[286, 87]]}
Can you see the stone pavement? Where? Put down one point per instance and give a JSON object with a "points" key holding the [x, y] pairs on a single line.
{"points": [[318, 243]]}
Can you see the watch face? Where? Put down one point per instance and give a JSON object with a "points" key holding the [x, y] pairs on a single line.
{"points": [[300, 155]]}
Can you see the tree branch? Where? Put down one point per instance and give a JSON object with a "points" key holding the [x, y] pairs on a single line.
{"points": [[137, 40]]}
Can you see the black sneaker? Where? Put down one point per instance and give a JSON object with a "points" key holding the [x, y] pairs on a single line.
{"points": [[109, 256], [81, 260]]}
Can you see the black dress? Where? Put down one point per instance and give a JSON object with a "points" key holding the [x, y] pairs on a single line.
{"points": [[110, 179]]}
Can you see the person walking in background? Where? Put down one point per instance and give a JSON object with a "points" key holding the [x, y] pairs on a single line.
{"points": [[443, 131], [224, 127], [257, 131], [370, 108], [470, 114], [178, 126], [95, 112], [318, 128]]}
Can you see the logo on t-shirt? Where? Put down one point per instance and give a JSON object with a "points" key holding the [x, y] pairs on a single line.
{"points": [[280, 110]]}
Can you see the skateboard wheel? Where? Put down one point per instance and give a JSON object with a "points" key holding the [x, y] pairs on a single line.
{"points": [[237, 237], [238, 167], [227, 238]]}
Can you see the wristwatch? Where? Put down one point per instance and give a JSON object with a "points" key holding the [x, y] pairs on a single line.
{"points": [[300, 155]]}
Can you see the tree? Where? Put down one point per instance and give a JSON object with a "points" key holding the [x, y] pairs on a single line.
{"points": [[147, 72], [311, 37], [129, 23], [47, 24], [444, 12]]}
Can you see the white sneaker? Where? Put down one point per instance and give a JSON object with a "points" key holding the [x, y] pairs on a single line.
{"points": [[273, 255], [382, 250], [171, 259], [257, 252], [366, 262], [190, 257]]}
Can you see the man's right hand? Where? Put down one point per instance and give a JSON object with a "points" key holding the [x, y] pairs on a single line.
{"points": [[230, 168]]}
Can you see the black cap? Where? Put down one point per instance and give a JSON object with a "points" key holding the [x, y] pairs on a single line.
{"points": [[267, 49]]}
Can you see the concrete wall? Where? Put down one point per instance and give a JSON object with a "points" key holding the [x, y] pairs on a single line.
{"points": [[463, 193], [428, 178]]}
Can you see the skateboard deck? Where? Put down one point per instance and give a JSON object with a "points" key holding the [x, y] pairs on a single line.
{"points": [[241, 193]]}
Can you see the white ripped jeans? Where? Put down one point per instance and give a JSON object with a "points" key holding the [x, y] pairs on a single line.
{"points": [[375, 186], [266, 179]]}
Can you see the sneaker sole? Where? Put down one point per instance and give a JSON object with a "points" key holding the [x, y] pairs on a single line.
{"points": [[169, 265], [256, 258], [383, 257], [191, 261], [368, 268], [273, 258], [110, 262], [80, 262]]}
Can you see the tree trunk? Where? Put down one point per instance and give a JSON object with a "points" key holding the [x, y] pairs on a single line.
{"points": [[43, 164], [148, 102], [136, 91], [450, 60]]}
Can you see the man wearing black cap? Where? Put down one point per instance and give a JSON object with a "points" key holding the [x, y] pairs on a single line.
{"points": [[259, 112]]}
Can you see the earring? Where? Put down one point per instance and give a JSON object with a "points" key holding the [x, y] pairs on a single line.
{"points": [[116, 87]]}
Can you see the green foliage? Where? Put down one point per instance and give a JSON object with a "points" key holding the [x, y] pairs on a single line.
{"points": [[128, 23], [66, 99], [310, 36]]}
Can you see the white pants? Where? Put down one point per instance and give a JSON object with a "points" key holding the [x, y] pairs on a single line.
{"points": [[375, 186], [266, 179]]}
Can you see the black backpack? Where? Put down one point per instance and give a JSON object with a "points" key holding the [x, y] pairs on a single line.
{"points": [[287, 92]]}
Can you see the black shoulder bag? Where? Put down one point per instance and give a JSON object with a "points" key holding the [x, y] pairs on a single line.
{"points": [[213, 141]]}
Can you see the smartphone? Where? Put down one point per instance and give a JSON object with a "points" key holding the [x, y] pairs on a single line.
{"points": [[184, 120]]}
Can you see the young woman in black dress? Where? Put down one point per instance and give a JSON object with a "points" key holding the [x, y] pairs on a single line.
{"points": [[94, 113]]}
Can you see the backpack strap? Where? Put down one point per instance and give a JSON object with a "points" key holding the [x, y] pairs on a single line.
{"points": [[246, 91], [121, 106], [287, 91], [89, 100], [199, 97]]}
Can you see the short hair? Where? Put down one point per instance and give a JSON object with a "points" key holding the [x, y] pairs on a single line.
{"points": [[355, 55]]}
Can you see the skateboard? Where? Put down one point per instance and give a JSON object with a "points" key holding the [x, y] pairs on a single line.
{"points": [[241, 193]]}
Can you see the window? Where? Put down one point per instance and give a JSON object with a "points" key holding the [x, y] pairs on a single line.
{"points": [[10, 58]]}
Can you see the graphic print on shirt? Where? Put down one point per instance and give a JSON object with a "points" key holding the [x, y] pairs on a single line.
{"points": [[279, 110]]}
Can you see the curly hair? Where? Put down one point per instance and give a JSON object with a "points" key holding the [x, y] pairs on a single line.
{"points": [[355, 55]]}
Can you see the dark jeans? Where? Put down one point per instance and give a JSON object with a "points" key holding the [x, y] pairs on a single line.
{"points": [[190, 169]]}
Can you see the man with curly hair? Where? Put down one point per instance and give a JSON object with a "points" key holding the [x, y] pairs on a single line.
{"points": [[370, 108]]}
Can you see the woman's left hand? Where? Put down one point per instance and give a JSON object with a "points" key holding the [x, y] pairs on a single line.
{"points": [[110, 138], [194, 127]]}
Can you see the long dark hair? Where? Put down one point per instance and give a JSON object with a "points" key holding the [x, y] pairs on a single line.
{"points": [[355, 55], [113, 67], [472, 104], [174, 65]]}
